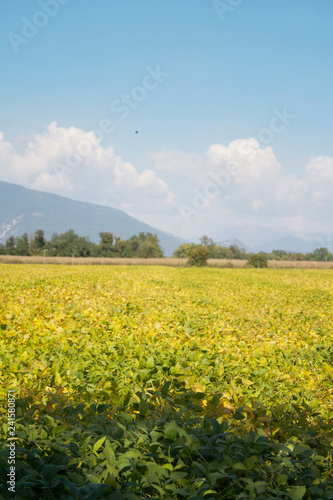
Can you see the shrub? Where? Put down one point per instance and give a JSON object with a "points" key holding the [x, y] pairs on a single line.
{"points": [[198, 256], [258, 260]]}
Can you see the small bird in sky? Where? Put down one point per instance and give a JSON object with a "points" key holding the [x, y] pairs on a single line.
{"points": [[136, 131]]}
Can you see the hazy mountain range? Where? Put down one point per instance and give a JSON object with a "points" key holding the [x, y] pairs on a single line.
{"points": [[259, 239], [24, 211]]}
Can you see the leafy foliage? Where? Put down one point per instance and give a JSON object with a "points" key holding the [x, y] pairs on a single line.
{"points": [[177, 384], [198, 256], [215, 251], [258, 260], [234, 252], [182, 252], [144, 245]]}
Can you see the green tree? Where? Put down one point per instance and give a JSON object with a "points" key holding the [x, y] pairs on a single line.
{"points": [[183, 250], [211, 246], [145, 245], [70, 243], [238, 253], [258, 260], [198, 256], [296, 256], [279, 255], [129, 248], [38, 242], [106, 246], [85, 248], [22, 245], [10, 246], [206, 242], [321, 254], [223, 253], [119, 247]]}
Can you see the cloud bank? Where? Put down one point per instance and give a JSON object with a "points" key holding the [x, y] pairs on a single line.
{"points": [[187, 194]]}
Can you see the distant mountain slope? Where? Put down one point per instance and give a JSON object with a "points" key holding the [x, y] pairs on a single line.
{"points": [[24, 211], [252, 236], [234, 241], [291, 244], [263, 239]]}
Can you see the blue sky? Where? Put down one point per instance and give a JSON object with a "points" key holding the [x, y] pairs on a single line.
{"points": [[228, 77]]}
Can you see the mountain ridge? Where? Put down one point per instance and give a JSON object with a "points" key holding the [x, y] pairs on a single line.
{"points": [[263, 239], [24, 210]]}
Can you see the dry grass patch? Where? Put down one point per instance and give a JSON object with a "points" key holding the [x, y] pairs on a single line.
{"points": [[17, 259], [301, 264], [164, 261]]}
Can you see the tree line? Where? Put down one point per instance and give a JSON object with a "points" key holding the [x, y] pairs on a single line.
{"points": [[145, 245], [234, 252]]}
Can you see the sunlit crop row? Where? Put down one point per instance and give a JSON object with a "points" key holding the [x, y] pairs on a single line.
{"points": [[209, 328]]}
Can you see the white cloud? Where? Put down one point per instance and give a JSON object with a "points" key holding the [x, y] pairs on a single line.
{"points": [[59, 183], [251, 186], [254, 189], [320, 169], [71, 162]]}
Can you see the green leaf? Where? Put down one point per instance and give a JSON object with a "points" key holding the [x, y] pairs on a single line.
{"points": [[127, 398], [240, 466], [49, 472], [297, 493], [170, 431], [150, 363], [32, 436], [158, 488], [74, 447], [98, 444], [282, 479], [214, 477], [109, 455], [155, 435], [247, 382], [165, 388], [251, 462], [178, 475], [143, 406], [279, 410], [85, 443], [133, 453]]}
